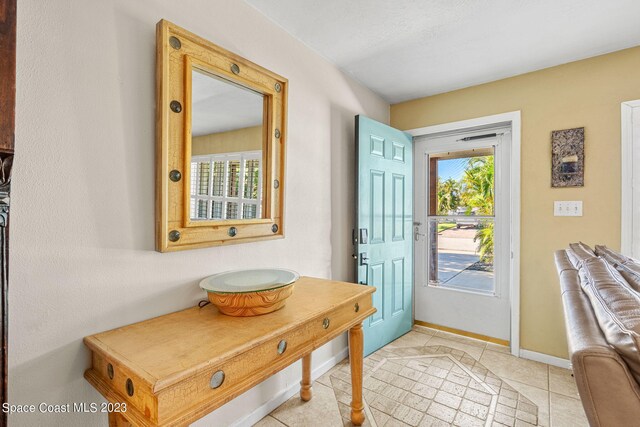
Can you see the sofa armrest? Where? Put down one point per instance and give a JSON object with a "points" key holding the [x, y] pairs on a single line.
{"points": [[609, 393]]}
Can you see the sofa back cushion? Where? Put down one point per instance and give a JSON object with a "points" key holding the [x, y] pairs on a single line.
{"points": [[629, 268], [579, 252], [617, 309], [582, 247]]}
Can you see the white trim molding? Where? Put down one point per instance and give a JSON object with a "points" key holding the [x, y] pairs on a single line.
{"points": [[512, 119], [545, 358], [630, 197]]}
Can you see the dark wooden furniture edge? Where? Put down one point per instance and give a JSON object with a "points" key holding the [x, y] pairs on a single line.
{"points": [[7, 144]]}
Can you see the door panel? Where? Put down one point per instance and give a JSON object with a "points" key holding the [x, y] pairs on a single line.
{"points": [[377, 206], [398, 207], [384, 220], [398, 280]]}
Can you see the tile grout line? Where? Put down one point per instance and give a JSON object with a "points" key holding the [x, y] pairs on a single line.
{"points": [[429, 340], [550, 411], [278, 420], [549, 392]]}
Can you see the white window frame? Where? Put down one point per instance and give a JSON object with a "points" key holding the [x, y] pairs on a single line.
{"points": [[514, 119], [242, 157]]}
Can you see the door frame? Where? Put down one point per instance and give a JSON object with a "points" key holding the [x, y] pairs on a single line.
{"points": [[512, 119], [628, 170]]}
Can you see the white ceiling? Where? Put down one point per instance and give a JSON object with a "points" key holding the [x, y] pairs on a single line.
{"points": [[220, 106], [407, 49]]}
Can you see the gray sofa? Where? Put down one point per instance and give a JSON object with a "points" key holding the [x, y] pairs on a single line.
{"points": [[602, 330]]}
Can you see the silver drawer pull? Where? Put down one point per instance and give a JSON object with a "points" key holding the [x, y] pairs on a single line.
{"points": [[326, 322], [282, 346], [216, 379]]}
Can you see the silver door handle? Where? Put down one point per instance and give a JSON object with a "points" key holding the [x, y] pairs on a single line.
{"points": [[364, 259]]}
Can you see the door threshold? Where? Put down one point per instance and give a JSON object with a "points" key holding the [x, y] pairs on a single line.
{"points": [[463, 333]]}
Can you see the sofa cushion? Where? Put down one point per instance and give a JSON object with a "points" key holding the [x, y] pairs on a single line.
{"points": [[629, 268], [581, 246], [579, 252], [617, 309]]}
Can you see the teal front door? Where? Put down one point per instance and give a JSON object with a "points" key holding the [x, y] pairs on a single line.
{"points": [[383, 235]]}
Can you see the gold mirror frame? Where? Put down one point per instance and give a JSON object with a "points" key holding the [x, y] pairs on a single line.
{"points": [[177, 51]]}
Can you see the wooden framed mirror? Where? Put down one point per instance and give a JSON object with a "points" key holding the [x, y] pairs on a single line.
{"points": [[221, 130]]}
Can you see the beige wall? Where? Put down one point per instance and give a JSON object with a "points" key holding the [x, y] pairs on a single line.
{"points": [[585, 93], [246, 139], [82, 220]]}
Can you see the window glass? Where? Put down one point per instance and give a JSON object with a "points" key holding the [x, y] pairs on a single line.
{"points": [[226, 186], [203, 178], [232, 210], [233, 178], [251, 178], [216, 210], [218, 178], [249, 211]]}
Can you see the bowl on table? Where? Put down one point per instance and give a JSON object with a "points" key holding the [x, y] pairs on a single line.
{"points": [[253, 292]]}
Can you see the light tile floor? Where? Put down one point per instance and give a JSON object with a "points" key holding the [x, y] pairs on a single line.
{"points": [[550, 388]]}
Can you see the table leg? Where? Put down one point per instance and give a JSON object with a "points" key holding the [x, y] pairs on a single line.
{"points": [[355, 360], [305, 384], [117, 420]]}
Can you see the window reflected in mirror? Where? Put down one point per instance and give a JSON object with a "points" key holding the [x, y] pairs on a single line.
{"points": [[227, 140]]}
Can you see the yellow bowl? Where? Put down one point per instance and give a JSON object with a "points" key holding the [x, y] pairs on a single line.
{"points": [[245, 304]]}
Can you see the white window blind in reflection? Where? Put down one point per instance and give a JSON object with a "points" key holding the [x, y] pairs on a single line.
{"points": [[226, 186]]}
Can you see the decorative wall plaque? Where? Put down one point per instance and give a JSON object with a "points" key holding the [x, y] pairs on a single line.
{"points": [[567, 158]]}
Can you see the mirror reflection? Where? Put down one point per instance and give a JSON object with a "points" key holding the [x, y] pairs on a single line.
{"points": [[226, 149]]}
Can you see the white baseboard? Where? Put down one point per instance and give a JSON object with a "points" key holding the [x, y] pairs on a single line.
{"points": [[545, 358], [284, 395]]}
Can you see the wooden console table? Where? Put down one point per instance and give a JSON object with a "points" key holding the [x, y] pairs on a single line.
{"points": [[175, 369]]}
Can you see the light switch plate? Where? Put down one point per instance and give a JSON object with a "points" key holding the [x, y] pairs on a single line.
{"points": [[567, 208]]}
